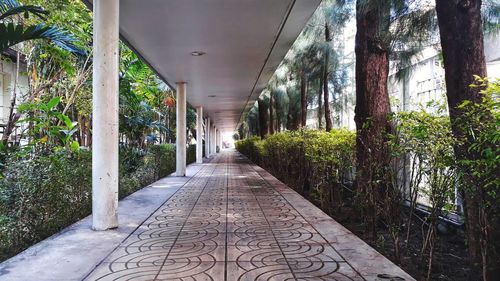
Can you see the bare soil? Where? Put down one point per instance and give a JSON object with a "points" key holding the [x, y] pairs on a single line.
{"points": [[450, 258]]}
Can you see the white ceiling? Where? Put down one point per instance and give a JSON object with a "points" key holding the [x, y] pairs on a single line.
{"points": [[244, 42]]}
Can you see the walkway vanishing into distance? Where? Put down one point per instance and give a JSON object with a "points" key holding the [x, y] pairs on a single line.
{"points": [[233, 221], [229, 220]]}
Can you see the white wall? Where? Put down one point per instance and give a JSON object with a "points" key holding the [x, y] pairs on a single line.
{"points": [[7, 77]]}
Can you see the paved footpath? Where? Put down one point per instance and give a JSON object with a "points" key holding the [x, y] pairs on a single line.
{"points": [[234, 221]]}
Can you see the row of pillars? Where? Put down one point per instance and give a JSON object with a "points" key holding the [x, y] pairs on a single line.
{"points": [[209, 132], [212, 136], [105, 119]]}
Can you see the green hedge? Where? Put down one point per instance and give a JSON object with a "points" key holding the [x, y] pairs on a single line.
{"points": [[315, 163], [42, 194]]}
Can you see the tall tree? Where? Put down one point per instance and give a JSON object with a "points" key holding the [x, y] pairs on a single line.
{"points": [[302, 62], [320, 102], [281, 106], [329, 20], [253, 121], [461, 32], [303, 97], [326, 78], [294, 107], [387, 31], [372, 104], [263, 116]]}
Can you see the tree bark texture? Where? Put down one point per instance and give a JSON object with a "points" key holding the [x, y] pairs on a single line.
{"points": [[371, 112], [326, 75], [320, 103], [461, 32]]}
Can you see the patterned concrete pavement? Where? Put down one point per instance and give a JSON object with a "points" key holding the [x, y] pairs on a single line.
{"points": [[234, 221]]}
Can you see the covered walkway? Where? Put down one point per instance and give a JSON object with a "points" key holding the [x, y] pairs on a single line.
{"points": [[227, 220]]}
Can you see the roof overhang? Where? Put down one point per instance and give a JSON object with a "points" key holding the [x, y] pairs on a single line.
{"points": [[244, 41]]}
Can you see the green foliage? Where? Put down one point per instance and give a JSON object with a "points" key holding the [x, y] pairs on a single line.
{"points": [[191, 154], [479, 157], [13, 33], [249, 148], [315, 163], [48, 124], [142, 114], [482, 122], [426, 142], [42, 193]]}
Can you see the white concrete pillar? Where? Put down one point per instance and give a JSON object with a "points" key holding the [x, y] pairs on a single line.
{"points": [[105, 115], [216, 142], [219, 143], [180, 160], [207, 138], [212, 144], [214, 139], [199, 135], [211, 137]]}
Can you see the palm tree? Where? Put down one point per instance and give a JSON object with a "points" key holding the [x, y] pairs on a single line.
{"points": [[13, 31]]}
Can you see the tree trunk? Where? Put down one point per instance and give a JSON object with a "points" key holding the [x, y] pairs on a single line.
{"points": [[263, 129], [326, 74], [328, 113], [320, 103], [279, 118], [372, 109], [303, 98], [11, 122], [293, 113], [461, 32], [271, 114]]}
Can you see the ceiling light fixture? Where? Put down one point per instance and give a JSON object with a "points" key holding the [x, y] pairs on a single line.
{"points": [[197, 53]]}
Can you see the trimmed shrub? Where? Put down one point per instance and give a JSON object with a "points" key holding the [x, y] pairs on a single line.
{"points": [[248, 147], [43, 193], [315, 163]]}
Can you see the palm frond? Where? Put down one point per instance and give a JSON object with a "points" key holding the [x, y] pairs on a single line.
{"points": [[24, 10], [12, 34], [6, 5]]}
